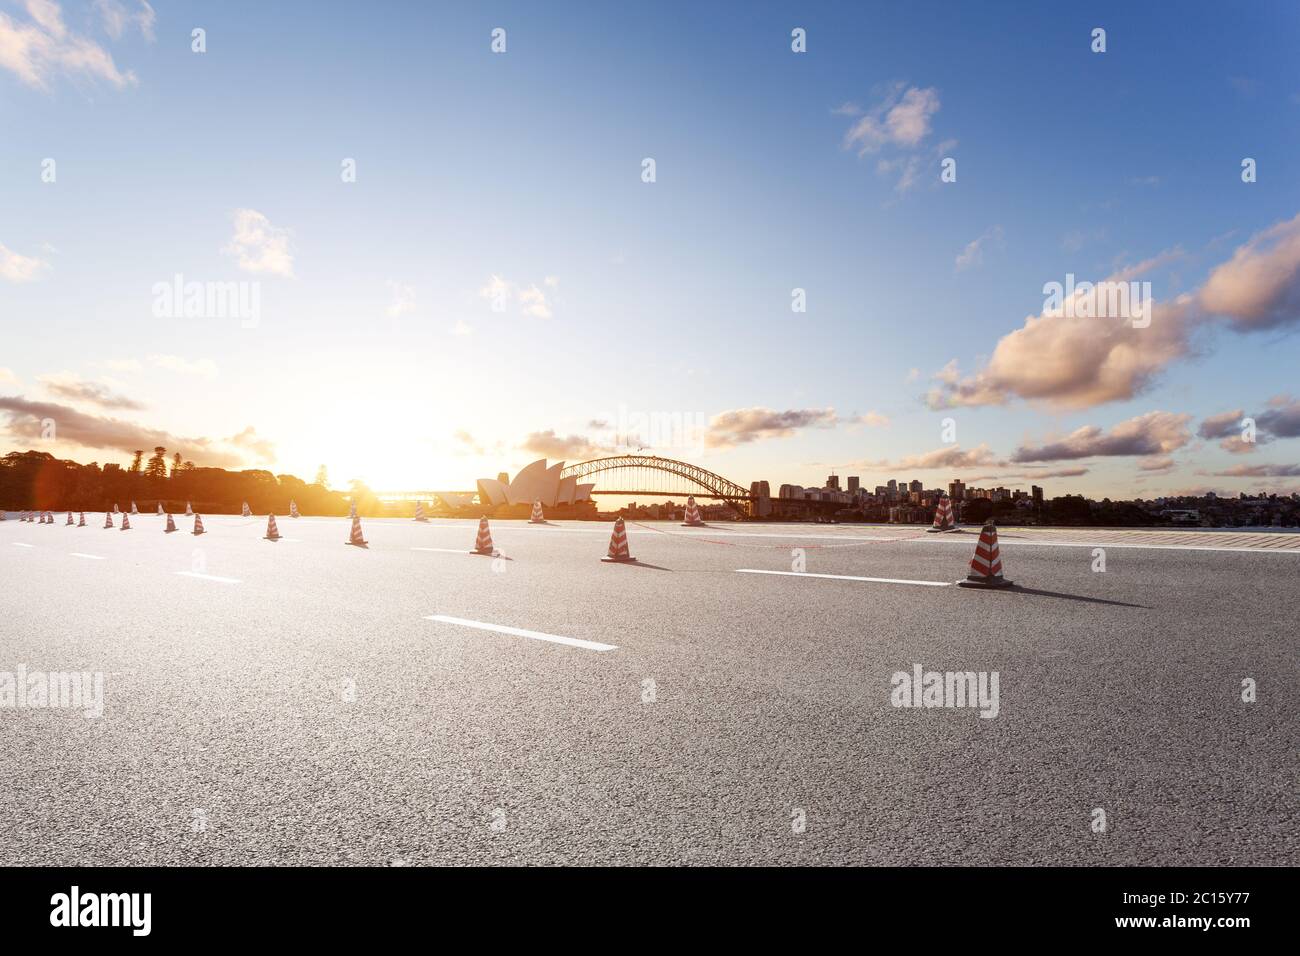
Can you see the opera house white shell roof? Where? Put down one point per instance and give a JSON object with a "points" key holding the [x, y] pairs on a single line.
{"points": [[536, 482]]}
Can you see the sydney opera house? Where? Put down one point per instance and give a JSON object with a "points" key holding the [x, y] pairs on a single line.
{"points": [[536, 482]]}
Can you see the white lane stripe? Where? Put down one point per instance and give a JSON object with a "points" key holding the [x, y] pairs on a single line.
{"points": [[844, 577], [444, 550], [92, 557], [208, 577], [520, 632], [23, 544]]}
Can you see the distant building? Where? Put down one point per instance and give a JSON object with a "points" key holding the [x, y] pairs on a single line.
{"points": [[853, 484], [957, 489], [833, 481]]}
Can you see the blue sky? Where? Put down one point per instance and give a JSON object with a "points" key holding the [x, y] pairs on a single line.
{"points": [[377, 350]]}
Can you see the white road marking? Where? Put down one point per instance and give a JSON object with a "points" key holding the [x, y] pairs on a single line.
{"points": [[208, 577], [520, 632], [845, 577], [23, 544], [444, 550], [92, 557]]}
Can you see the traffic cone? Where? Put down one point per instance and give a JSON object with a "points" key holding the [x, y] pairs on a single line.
{"points": [[116, 509], [108, 519], [246, 512], [70, 521], [189, 513], [355, 537], [160, 508], [419, 511], [943, 520], [986, 566], [537, 517], [3, 517], [126, 522], [693, 519], [134, 509], [198, 524], [171, 525], [293, 509], [272, 532], [81, 523], [618, 550], [483, 543], [352, 508]]}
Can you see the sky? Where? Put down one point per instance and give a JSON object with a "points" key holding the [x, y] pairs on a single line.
{"points": [[455, 260]]}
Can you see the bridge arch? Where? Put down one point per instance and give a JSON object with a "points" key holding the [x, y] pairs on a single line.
{"points": [[694, 480]]}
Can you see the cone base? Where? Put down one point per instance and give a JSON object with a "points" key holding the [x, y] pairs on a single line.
{"points": [[484, 554], [987, 584], [269, 538], [169, 530], [537, 521], [628, 560], [358, 544], [698, 524], [939, 530], [422, 520]]}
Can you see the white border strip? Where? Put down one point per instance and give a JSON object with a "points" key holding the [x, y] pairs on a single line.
{"points": [[520, 632], [844, 577], [208, 577]]}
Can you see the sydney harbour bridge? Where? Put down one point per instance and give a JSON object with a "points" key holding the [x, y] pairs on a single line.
{"points": [[632, 475]]}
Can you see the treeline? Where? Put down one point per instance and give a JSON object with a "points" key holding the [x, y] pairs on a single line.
{"points": [[37, 481]]}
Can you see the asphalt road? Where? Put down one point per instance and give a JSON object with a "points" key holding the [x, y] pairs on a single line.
{"points": [[295, 703]]}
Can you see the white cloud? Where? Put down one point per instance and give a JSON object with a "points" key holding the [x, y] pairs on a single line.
{"points": [[35, 50], [118, 17], [973, 254], [901, 119], [403, 298], [7, 375], [17, 268], [532, 301], [258, 245]]}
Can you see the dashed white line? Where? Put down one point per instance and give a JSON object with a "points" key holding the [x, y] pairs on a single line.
{"points": [[845, 577], [520, 632], [208, 577], [92, 557], [23, 544]]}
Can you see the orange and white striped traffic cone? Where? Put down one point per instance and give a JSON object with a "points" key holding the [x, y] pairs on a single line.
{"points": [[171, 525], [419, 511], [537, 517], [116, 509], [293, 509], [126, 522], [618, 550], [246, 512], [352, 508], [108, 519], [483, 542], [693, 519], [943, 520], [272, 532], [198, 524], [189, 512], [81, 522], [70, 521], [986, 566], [355, 538], [160, 509], [134, 509]]}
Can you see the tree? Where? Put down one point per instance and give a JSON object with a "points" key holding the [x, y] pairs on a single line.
{"points": [[322, 477], [135, 463], [176, 463], [157, 468]]}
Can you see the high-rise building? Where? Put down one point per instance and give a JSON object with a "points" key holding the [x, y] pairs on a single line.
{"points": [[916, 486], [833, 481], [957, 489], [853, 483]]}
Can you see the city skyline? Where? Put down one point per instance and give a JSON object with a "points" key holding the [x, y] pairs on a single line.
{"points": [[441, 300]]}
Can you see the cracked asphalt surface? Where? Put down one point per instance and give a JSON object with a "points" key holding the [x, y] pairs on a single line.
{"points": [[312, 714]]}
